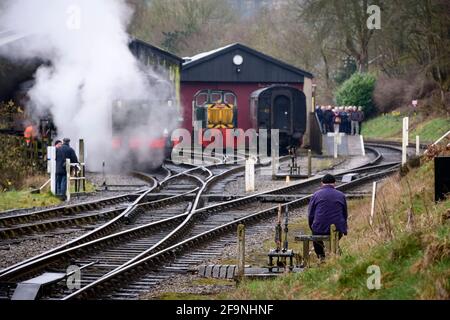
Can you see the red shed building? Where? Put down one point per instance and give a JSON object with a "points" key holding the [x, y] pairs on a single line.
{"points": [[241, 70]]}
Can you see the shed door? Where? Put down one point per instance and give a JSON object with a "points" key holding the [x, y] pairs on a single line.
{"points": [[281, 113]]}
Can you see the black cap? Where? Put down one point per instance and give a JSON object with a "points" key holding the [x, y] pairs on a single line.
{"points": [[66, 140], [328, 179]]}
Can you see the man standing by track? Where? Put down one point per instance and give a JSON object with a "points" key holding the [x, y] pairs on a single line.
{"points": [[62, 153]]}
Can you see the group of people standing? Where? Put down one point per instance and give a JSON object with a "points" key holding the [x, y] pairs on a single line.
{"points": [[340, 119]]}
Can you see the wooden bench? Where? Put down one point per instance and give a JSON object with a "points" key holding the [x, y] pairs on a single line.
{"points": [[332, 239]]}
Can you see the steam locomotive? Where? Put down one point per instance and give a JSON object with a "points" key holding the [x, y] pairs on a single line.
{"points": [[136, 139]]}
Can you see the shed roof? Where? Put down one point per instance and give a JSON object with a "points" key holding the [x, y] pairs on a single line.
{"points": [[155, 49], [209, 57]]}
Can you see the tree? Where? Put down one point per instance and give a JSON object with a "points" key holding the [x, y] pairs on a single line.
{"points": [[349, 20], [183, 27]]}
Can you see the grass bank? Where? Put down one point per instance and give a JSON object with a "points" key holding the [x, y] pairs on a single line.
{"points": [[409, 242], [24, 199], [389, 126]]}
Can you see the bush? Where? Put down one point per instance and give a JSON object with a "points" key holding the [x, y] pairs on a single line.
{"points": [[14, 167], [358, 91]]}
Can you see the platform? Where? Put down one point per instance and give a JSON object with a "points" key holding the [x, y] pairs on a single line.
{"points": [[348, 145]]}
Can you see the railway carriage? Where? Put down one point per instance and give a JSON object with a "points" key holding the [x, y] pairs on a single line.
{"points": [[282, 108]]}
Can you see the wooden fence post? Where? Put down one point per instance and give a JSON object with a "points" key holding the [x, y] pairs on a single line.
{"points": [[241, 251], [306, 253], [333, 239]]}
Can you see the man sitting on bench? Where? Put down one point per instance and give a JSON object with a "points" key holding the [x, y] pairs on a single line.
{"points": [[327, 206]]}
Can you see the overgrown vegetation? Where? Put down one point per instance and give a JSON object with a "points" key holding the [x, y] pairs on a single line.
{"points": [[409, 241], [15, 166]]}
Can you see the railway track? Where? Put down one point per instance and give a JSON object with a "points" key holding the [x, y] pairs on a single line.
{"points": [[146, 224], [164, 239], [121, 214], [90, 215], [86, 216]]}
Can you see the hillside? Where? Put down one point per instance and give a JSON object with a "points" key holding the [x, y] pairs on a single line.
{"points": [[389, 126], [409, 241]]}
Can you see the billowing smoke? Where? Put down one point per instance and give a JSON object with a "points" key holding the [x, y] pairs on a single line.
{"points": [[87, 66]]}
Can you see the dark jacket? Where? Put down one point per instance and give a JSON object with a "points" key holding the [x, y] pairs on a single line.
{"points": [[63, 153], [328, 116], [354, 116], [358, 116], [361, 116], [327, 206], [319, 113]]}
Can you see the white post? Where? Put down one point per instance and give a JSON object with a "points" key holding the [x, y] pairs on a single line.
{"points": [[372, 208], [51, 167], [288, 179], [336, 145], [68, 179], [274, 165], [405, 140], [362, 145], [417, 146], [275, 150], [250, 175]]}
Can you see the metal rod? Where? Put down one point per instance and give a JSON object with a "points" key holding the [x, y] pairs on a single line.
{"points": [[309, 163]]}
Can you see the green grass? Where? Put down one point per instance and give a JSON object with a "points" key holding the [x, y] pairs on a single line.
{"points": [[346, 278], [23, 199], [414, 259], [384, 126], [431, 130], [390, 127]]}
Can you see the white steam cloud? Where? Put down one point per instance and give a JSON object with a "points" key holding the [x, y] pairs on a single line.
{"points": [[89, 65]]}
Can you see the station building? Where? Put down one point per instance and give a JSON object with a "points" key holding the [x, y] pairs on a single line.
{"points": [[241, 70]]}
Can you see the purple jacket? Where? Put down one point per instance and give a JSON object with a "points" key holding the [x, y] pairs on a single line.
{"points": [[327, 206]]}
